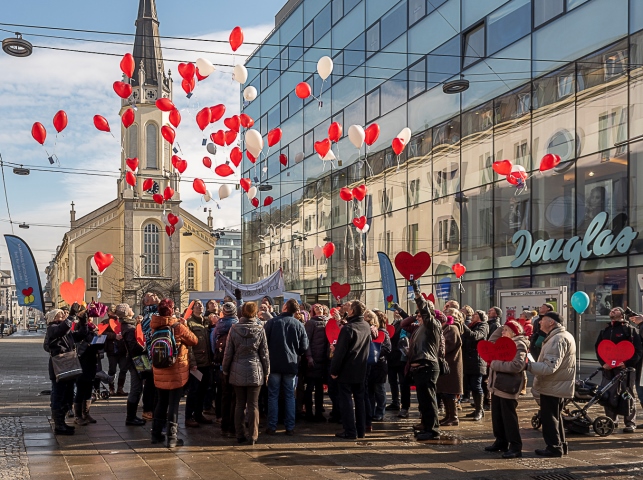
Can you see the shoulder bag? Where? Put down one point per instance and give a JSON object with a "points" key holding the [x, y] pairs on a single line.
{"points": [[66, 365]]}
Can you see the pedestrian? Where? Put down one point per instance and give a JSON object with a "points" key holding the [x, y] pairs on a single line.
{"points": [[128, 331], [170, 380], [554, 381], [467, 311], [84, 333], [2, 328], [449, 386], [150, 308], [397, 379], [505, 383], [219, 342], [474, 367], [116, 356], [317, 363], [379, 370], [246, 366], [494, 319], [287, 341], [349, 366], [212, 402], [333, 387], [619, 403], [200, 363], [537, 338]]}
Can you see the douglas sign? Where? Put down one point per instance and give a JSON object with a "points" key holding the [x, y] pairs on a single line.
{"points": [[598, 242]]}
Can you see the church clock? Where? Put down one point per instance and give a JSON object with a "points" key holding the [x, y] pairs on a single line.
{"points": [[154, 189]]}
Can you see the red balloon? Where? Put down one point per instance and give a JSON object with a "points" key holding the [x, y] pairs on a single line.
{"points": [[345, 194], [328, 249], [323, 147], [200, 77], [172, 219], [512, 180], [203, 118], [175, 118], [168, 134], [165, 105], [224, 170], [169, 230], [335, 132], [158, 198], [179, 163], [132, 163], [130, 178], [245, 183], [218, 138], [549, 161], [251, 157], [187, 85], [303, 90], [207, 162], [127, 65], [246, 120], [255, 202], [268, 201], [502, 167], [236, 156], [274, 137], [459, 270], [199, 186], [359, 222], [187, 71], [168, 193], [128, 117], [101, 123], [236, 38], [147, 184], [398, 145], [283, 159], [359, 192], [217, 112], [230, 137], [372, 134], [39, 133], [122, 89], [233, 123], [103, 260], [60, 121]]}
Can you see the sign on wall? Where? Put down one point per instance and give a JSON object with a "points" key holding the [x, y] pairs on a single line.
{"points": [[513, 302]]}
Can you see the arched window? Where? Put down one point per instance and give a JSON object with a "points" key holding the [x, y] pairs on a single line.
{"points": [[190, 275], [151, 145], [132, 141], [151, 249], [93, 277]]}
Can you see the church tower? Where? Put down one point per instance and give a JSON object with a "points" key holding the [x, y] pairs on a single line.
{"points": [[143, 139]]}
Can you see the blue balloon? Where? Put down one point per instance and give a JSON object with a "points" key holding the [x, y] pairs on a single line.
{"points": [[580, 302]]}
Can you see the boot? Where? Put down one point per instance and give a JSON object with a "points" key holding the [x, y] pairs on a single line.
{"points": [[157, 431], [86, 414], [478, 413], [132, 419], [60, 427], [172, 439], [451, 418], [112, 392], [78, 414]]}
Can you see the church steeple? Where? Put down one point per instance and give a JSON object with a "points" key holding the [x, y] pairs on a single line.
{"points": [[147, 46]]}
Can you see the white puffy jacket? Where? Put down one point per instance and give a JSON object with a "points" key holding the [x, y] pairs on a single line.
{"points": [[555, 369]]}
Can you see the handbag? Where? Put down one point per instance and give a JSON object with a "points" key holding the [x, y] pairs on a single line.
{"points": [[66, 366], [444, 366], [510, 383]]}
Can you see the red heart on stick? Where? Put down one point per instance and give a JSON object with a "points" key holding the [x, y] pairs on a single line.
{"points": [[332, 331], [103, 260], [391, 330], [323, 147], [27, 291], [102, 327], [430, 297], [115, 325], [380, 337], [504, 349], [615, 353], [346, 194], [340, 290], [359, 192], [73, 292], [412, 265], [359, 222]]}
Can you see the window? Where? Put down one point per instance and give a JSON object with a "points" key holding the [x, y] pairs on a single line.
{"points": [[412, 239], [284, 60], [190, 276], [349, 5], [227, 253], [474, 45], [274, 117], [309, 39], [151, 150], [417, 10], [508, 24], [372, 40], [93, 277], [151, 249], [413, 192], [284, 109], [372, 105], [393, 24], [546, 10], [393, 92], [322, 24], [354, 54], [443, 62], [132, 141], [337, 10], [295, 49], [417, 78], [273, 70]]}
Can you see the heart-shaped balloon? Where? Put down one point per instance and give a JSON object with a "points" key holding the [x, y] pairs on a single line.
{"points": [[274, 137], [236, 156], [255, 202], [323, 147], [218, 137], [181, 165], [359, 192], [148, 184], [372, 134], [217, 112], [502, 167], [168, 133], [165, 104], [203, 118], [187, 70], [207, 162], [170, 230], [335, 132], [548, 162], [175, 118], [328, 249], [359, 222], [73, 292], [27, 291], [614, 354], [398, 146], [130, 178], [459, 270], [268, 201], [230, 137], [245, 183], [246, 120], [158, 198], [412, 266], [345, 194], [283, 159], [251, 157], [173, 219], [504, 349], [132, 163], [332, 331], [233, 123], [128, 117], [318, 252], [188, 85], [103, 260], [122, 89], [340, 290]]}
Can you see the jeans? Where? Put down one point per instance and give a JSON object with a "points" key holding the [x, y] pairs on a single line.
{"points": [[425, 380], [119, 361], [551, 417], [316, 384], [353, 413], [505, 422], [275, 382], [196, 394], [62, 395], [247, 401], [377, 397], [167, 407], [136, 385], [473, 383]]}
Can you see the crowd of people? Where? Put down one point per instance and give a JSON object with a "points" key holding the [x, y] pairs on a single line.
{"points": [[237, 361]]}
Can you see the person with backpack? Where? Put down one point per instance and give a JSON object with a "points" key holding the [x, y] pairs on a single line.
{"points": [[212, 401], [150, 307], [170, 364], [219, 343], [201, 361]]}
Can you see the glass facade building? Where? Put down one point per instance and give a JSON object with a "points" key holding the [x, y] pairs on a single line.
{"points": [[546, 76]]}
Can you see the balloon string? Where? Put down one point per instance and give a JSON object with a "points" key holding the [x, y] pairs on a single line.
{"points": [[461, 287]]}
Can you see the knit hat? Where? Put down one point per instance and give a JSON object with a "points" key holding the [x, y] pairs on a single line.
{"points": [[269, 298], [121, 310], [549, 306], [554, 316], [51, 314], [515, 327], [229, 309]]}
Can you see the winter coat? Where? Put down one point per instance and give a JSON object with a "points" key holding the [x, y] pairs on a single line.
{"points": [[200, 354], [395, 359], [452, 383], [221, 328], [473, 364], [515, 366], [379, 371], [246, 359], [349, 362], [146, 324], [427, 341], [111, 344], [621, 332], [556, 366], [83, 336], [128, 331], [318, 345], [494, 323], [287, 340], [58, 339], [177, 375]]}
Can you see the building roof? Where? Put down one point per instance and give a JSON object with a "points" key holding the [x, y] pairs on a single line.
{"points": [[147, 44]]}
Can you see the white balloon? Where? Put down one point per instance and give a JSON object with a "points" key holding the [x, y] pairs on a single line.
{"points": [[179, 224], [318, 252], [405, 135], [254, 142], [240, 74], [251, 193], [207, 196], [325, 67], [95, 267], [329, 156], [299, 157], [165, 220], [224, 191], [366, 228], [356, 135], [205, 67], [250, 93]]}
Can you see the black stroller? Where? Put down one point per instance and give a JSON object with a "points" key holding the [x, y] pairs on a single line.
{"points": [[588, 394]]}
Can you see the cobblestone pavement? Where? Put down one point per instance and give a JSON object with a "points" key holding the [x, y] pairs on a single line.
{"points": [[110, 450]]}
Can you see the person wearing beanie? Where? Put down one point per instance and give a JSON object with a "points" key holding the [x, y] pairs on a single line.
{"points": [[218, 342], [554, 374], [116, 355], [474, 367], [201, 360], [537, 337]]}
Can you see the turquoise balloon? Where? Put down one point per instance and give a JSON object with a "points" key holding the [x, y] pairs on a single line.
{"points": [[580, 302]]}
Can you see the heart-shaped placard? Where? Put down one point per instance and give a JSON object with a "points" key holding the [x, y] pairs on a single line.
{"points": [[103, 260], [359, 192], [332, 331], [430, 297], [613, 354], [340, 290], [412, 266], [359, 222], [504, 349], [115, 325], [391, 330], [73, 292], [380, 337], [101, 327], [323, 147], [140, 337]]}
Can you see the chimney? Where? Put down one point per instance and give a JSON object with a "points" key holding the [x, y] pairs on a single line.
{"points": [[72, 214]]}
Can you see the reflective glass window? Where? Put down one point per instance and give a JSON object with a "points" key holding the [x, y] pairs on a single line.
{"points": [[294, 103], [393, 92], [354, 113], [350, 4], [417, 78], [393, 24], [263, 125], [475, 10], [309, 140], [512, 212], [273, 71], [284, 109], [322, 23], [508, 24], [373, 40], [417, 10], [443, 62], [474, 45], [372, 105], [545, 10], [337, 10], [636, 194], [309, 38], [296, 48], [274, 118], [338, 67], [574, 3], [284, 60], [477, 227], [354, 54]]}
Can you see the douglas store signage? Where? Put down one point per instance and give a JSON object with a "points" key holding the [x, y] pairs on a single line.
{"points": [[599, 241]]}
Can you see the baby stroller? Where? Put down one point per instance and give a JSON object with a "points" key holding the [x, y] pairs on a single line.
{"points": [[588, 394], [101, 385]]}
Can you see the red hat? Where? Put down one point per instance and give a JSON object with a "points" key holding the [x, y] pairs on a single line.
{"points": [[515, 327]]}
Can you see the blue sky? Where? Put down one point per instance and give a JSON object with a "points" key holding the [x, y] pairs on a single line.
{"points": [[35, 88]]}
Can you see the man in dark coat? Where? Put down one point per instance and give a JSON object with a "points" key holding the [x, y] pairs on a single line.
{"points": [[316, 359], [538, 336], [287, 341], [348, 366], [474, 366], [200, 360]]}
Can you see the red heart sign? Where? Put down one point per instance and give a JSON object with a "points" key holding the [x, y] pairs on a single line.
{"points": [[323, 147], [224, 170], [430, 297], [359, 192], [73, 292], [346, 194], [132, 163], [328, 249], [218, 138], [391, 330], [332, 331], [380, 337], [236, 156], [504, 349], [27, 291], [102, 327], [359, 222], [245, 183], [233, 123], [103, 260], [412, 266], [340, 290], [115, 325], [615, 354], [140, 338], [389, 299]]}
